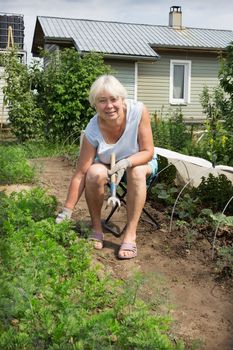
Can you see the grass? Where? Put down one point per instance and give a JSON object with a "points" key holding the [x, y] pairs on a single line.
{"points": [[37, 149], [14, 157], [14, 166]]}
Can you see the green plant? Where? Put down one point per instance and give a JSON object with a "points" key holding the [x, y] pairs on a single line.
{"points": [[164, 193], [63, 92], [24, 114], [197, 344], [171, 132], [225, 78], [52, 298], [225, 258], [222, 219], [14, 166], [37, 149], [51, 103], [216, 141], [160, 131], [178, 132], [187, 207], [214, 192], [190, 237], [20, 208], [166, 172]]}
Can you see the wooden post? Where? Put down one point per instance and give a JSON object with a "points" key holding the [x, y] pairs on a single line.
{"points": [[10, 38]]}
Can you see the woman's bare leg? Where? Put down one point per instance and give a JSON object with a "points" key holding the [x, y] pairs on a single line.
{"points": [[136, 197], [96, 179]]}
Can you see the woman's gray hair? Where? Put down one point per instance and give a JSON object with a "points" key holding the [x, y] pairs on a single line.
{"points": [[109, 84]]}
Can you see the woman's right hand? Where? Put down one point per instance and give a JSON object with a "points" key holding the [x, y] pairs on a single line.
{"points": [[65, 214]]}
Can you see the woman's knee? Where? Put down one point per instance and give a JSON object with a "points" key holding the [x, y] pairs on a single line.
{"points": [[137, 173], [96, 174]]}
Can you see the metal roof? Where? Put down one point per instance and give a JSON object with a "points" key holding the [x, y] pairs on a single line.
{"points": [[129, 38]]}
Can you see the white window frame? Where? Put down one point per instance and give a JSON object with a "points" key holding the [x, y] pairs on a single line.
{"points": [[136, 81], [187, 82]]}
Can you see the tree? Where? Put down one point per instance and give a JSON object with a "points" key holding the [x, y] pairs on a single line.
{"points": [[25, 116], [218, 106], [63, 92], [217, 141], [226, 82], [51, 102]]}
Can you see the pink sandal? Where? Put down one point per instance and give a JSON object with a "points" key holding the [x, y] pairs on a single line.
{"points": [[98, 239], [128, 247]]}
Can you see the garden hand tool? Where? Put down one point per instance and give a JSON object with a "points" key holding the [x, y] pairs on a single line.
{"points": [[113, 200], [119, 169]]}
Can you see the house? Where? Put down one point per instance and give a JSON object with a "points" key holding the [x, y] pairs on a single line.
{"points": [[164, 66], [11, 33]]}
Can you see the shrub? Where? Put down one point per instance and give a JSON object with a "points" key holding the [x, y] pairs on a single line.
{"points": [[51, 103], [214, 193], [171, 132], [217, 141], [25, 116], [226, 82], [63, 92]]}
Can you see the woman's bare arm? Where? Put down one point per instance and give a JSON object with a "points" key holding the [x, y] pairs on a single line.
{"points": [[86, 158], [145, 139]]}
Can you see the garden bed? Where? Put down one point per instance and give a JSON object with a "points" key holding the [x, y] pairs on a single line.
{"points": [[181, 276]]}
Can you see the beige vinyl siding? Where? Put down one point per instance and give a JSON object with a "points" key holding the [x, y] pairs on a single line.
{"points": [[3, 109], [125, 72], [154, 83]]}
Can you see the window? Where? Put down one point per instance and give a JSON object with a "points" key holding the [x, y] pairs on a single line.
{"points": [[180, 72]]}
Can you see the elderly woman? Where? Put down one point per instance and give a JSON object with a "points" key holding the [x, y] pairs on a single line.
{"points": [[122, 127]]}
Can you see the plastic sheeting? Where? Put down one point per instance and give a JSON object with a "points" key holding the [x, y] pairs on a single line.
{"points": [[191, 169]]}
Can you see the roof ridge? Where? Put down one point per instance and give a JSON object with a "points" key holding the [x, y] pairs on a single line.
{"points": [[132, 23], [103, 21]]}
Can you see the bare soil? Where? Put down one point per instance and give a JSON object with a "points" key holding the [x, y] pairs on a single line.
{"points": [[180, 277]]}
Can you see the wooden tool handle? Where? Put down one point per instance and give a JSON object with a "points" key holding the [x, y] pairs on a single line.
{"points": [[113, 162]]}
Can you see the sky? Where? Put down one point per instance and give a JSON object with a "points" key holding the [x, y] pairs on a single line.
{"points": [[215, 14]]}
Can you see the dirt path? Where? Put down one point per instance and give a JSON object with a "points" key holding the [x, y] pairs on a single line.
{"points": [[180, 277]]}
